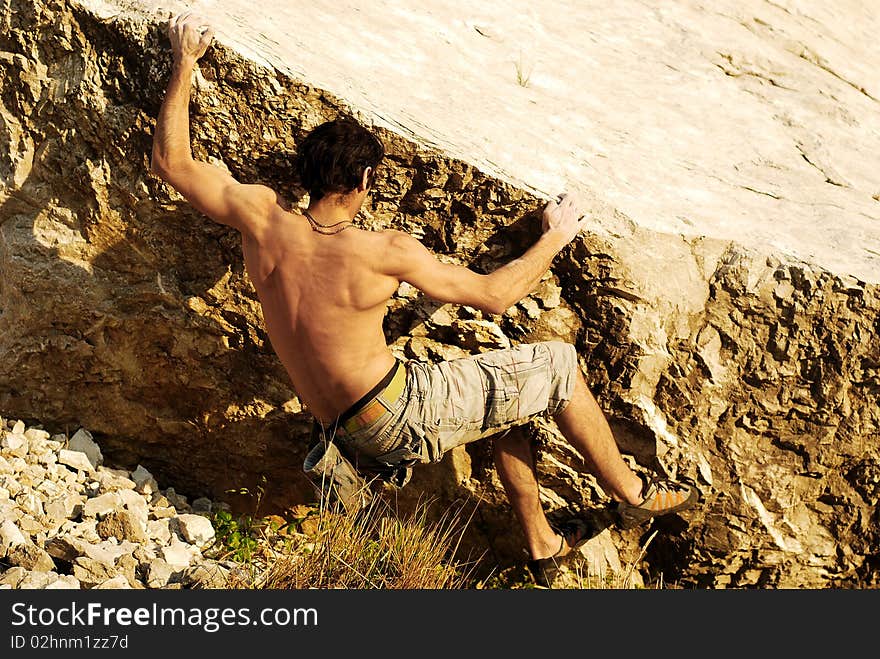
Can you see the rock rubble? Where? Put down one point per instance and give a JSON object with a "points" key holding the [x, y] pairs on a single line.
{"points": [[71, 522]]}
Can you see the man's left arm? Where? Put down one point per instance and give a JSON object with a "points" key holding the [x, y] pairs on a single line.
{"points": [[207, 188]]}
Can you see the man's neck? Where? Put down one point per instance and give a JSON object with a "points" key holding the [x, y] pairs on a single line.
{"points": [[331, 209]]}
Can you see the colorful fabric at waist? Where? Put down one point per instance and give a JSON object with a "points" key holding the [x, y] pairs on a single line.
{"points": [[375, 402]]}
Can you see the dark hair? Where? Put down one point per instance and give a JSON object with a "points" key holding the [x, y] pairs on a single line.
{"points": [[332, 157]]}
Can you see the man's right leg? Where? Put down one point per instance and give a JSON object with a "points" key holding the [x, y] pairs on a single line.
{"points": [[584, 425], [476, 393]]}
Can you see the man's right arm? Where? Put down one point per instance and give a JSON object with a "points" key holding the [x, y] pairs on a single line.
{"points": [[410, 261]]}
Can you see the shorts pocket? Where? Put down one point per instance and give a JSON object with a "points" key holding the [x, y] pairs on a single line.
{"points": [[445, 434], [380, 438], [501, 407], [515, 396]]}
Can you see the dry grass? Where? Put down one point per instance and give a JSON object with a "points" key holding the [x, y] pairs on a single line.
{"points": [[377, 547], [613, 581], [373, 548]]}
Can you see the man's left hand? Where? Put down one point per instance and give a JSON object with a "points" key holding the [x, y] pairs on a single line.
{"points": [[190, 37]]}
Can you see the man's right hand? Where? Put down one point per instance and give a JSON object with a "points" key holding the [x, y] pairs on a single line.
{"points": [[564, 217]]}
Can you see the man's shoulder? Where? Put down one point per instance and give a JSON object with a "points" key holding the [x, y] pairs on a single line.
{"points": [[395, 238], [381, 239], [383, 249]]}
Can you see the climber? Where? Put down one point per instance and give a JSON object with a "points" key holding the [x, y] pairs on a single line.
{"points": [[324, 285]]}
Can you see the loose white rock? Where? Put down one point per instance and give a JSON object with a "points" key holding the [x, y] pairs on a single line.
{"points": [[29, 556], [196, 529], [101, 505], [13, 576], [114, 479], [36, 580], [9, 510], [64, 507], [12, 485], [104, 552], [91, 572], [31, 502], [118, 582], [50, 489], [177, 554], [135, 504], [14, 444], [76, 459], [29, 525], [55, 497], [64, 582], [159, 531], [159, 572], [37, 441], [10, 535]]}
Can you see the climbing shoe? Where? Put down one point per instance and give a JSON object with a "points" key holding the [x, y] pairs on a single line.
{"points": [[660, 496]]}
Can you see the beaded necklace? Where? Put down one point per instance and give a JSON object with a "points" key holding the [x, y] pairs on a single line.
{"points": [[321, 228]]}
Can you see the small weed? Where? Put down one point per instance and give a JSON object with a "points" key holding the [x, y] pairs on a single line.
{"points": [[236, 538], [522, 75]]}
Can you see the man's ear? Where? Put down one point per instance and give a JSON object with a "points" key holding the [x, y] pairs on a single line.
{"points": [[365, 179]]}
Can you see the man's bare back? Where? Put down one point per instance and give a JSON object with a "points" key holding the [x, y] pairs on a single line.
{"points": [[324, 298]]}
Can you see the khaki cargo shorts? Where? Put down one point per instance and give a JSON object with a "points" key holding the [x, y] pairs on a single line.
{"points": [[458, 401]]}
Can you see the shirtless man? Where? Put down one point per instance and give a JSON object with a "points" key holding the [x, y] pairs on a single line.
{"points": [[324, 286]]}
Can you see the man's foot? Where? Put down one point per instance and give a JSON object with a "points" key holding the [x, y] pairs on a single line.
{"points": [[572, 534], [660, 496]]}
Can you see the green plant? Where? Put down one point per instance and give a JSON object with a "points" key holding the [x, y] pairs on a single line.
{"points": [[235, 537]]}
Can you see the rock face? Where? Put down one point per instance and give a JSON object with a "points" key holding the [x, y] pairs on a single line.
{"points": [[719, 356]]}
